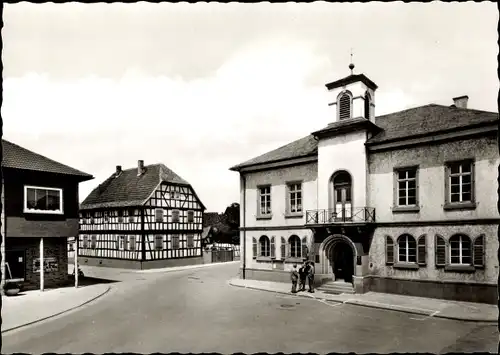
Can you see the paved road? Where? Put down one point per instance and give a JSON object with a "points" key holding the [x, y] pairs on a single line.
{"points": [[197, 311]]}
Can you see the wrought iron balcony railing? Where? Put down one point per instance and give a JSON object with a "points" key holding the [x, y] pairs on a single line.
{"points": [[333, 216]]}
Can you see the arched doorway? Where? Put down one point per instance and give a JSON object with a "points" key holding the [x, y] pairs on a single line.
{"points": [[338, 256], [341, 205], [342, 261]]}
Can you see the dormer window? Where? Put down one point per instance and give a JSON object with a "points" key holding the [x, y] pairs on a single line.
{"points": [[344, 105], [368, 101]]}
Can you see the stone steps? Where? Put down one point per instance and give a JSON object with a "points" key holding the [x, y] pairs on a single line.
{"points": [[337, 287]]}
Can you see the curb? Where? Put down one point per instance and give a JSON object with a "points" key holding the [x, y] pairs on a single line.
{"points": [[57, 314], [181, 268], [424, 312]]}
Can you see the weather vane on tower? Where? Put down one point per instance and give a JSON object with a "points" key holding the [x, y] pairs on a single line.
{"points": [[351, 66]]}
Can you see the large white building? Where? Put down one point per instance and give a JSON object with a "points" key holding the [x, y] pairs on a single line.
{"points": [[401, 203]]}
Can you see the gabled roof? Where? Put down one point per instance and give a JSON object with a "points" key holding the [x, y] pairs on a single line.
{"points": [[307, 146], [128, 189], [427, 120], [17, 157]]}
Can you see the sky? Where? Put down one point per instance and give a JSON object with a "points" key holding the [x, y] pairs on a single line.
{"points": [[203, 87]]}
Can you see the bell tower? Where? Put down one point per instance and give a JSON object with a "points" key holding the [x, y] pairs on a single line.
{"points": [[352, 97]]}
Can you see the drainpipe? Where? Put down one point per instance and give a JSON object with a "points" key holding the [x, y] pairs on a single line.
{"points": [[244, 204]]}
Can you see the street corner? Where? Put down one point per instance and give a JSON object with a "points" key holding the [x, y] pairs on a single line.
{"points": [[36, 306]]}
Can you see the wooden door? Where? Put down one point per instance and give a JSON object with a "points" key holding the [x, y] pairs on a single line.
{"points": [[343, 203]]}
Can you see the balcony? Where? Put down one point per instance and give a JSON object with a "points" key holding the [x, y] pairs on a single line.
{"points": [[355, 215]]}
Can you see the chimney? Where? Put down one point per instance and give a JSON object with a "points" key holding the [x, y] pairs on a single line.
{"points": [[461, 101], [140, 167], [118, 170]]}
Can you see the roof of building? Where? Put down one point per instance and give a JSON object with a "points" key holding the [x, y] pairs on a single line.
{"points": [[129, 189], [352, 79], [410, 123], [17, 157]]}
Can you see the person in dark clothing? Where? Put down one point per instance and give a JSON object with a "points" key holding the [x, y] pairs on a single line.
{"points": [[310, 276], [302, 277], [294, 275]]}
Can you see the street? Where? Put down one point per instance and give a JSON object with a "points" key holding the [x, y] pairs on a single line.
{"points": [[197, 311]]}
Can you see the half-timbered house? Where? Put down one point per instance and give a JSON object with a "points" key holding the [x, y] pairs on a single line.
{"points": [[39, 214], [144, 217], [403, 203]]}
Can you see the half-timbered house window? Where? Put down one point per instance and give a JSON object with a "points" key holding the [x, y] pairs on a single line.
{"points": [[295, 248], [264, 246], [175, 242], [460, 180], [122, 242], [295, 198], [43, 200], [85, 241], [460, 250], [265, 200], [175, 195], [407, 187], [131, 214], [120, 216], [131, 243], [106, 216], [175, 216], [190, 241], [407, 249], [159, 215], [93, 242], [158, 242], [190, 216]]}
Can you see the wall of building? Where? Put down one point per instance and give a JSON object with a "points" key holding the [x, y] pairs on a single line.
{"points": [[138, 265], [53, 248], [277, 264], [488, 275], [278, 179], [431, 179], [344, 152]]}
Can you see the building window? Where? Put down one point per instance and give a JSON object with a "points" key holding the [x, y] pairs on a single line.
{"points": [[190, 216], [264, 246], [407, 187], [460, 250], [131, 242], [367, 105], [344, 106], [407, 249], [158, 242], [190, 241], [175, 242], [131, 214], [175, 195], [460, 182], [106, 216], [159, 215], [122, 242], [43, 200], [93, 242], [175, 216], [265, 200], [295, 198], [295, 247], [85, 241]]}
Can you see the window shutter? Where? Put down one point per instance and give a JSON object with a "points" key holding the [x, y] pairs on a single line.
{"points": [[479, 251], [273, 245], [422, 250], [283, 248], [389, 250], [304, 247], [288, 250], [440, 251], [254, 241]]}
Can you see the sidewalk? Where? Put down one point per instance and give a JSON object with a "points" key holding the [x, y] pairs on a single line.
{"points": [[430, 307], [34, 306]]}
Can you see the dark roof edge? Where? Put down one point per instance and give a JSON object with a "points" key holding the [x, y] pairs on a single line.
{"points": [[80, 177], [434, 133], [352, 79], [356, 123], [256, 165]]}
